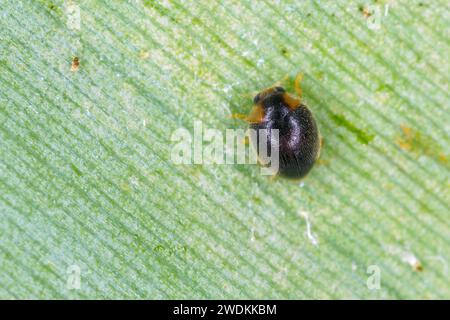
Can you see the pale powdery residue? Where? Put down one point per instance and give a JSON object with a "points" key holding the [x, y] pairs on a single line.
{"points": [[252, 234], [406, 256], [281, 277], [410, 258], [73, 16], [260, 62], [256, 230], [134, 181], [245, 54], [309, 234], [227, 88]]}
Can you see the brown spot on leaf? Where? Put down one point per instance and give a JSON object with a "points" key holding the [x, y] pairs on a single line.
{"points": [[419, 144], [144, 54], [365, 11], [418, 266], [75, 64]]}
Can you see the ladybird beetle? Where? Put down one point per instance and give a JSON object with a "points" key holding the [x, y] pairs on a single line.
{"points": [[299, 138]]}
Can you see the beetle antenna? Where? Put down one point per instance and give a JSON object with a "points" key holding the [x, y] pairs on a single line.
{"points": [[297, 85]]}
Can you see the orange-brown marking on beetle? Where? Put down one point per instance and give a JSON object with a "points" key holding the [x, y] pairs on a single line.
{"points": [[298, 156], [256, 115], [292, 102]]}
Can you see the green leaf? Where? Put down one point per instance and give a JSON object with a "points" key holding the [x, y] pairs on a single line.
{"points": [[92, 91]]}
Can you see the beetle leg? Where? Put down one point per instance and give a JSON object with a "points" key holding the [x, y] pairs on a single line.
{"points": [[256, 115], [320, 147], [239, 116]]}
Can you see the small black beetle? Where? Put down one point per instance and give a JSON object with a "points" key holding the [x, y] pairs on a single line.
{"points": [[299, 138]]}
